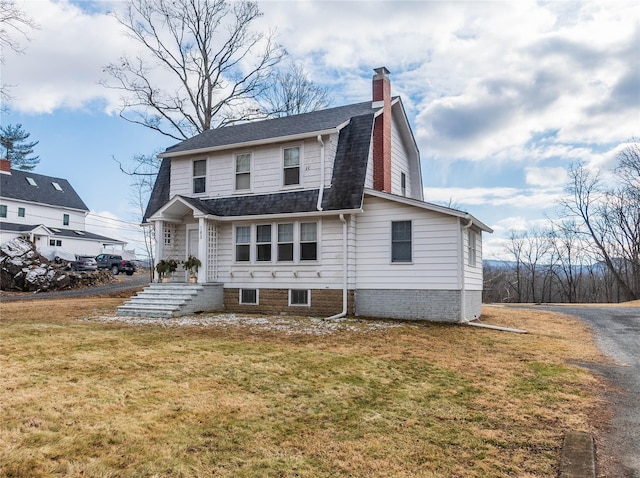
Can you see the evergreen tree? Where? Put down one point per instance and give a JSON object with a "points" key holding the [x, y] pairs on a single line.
{"points": [[15, 149]]}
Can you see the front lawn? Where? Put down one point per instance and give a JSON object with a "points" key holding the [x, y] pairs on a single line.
{"points": [[84, 395]]}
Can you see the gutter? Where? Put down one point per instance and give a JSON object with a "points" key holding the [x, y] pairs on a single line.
{"points": [[321, 191], [344, 272]]}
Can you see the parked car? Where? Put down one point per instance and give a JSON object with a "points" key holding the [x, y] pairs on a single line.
{"points": [[84, 263], [115, 264]]}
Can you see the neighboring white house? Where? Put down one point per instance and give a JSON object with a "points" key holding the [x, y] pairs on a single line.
{"points": [[319, 214], [47, 211]]}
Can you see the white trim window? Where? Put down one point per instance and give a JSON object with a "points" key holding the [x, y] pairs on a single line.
{"points": [[299, 297], [249, 296], [199, 176], [21, 212], [291, 168], [403, 184], [3, 210], [472, 248], [263, 243], [401, 243], [243, 243], [65, 219], [308, 241], [243, 171], [285, 242]]}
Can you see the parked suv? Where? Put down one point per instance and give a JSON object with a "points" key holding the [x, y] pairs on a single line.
{"points": [[84, 263], [115, 263]]}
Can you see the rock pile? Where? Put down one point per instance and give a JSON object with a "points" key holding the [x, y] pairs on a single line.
{"points": [[22, 269]]}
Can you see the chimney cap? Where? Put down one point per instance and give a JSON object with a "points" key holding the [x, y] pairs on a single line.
{"points": [[381, 72]]}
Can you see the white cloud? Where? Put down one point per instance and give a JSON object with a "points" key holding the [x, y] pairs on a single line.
{"points": [[546, 177], [498, 196]]}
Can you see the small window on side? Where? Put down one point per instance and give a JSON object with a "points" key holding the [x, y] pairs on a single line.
{"points": [[472, 247], [21, 212], [249, 296], [3, 210], [403, 184], [65, 220], [401, 241], [299, 297]]}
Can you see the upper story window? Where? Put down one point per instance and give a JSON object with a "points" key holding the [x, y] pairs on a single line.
{"points": [[285, 242], [472, 247], [32, 181], [56, 186], [21, 212], [243, 171], [401, 241], [403, 184], [308, 241], [65, 220], [3, 210], [291, 166], [263, 243], [243, 243], [199, 176]]}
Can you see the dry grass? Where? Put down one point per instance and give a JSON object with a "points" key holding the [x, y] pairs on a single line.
{"points": [[88, 398]]}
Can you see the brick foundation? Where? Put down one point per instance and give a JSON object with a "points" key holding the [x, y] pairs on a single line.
{"points": [[324, 302]]}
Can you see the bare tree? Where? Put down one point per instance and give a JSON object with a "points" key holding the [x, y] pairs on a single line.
{"points": [[610, 217], [291, 93], [15, 26], [214, 65]]}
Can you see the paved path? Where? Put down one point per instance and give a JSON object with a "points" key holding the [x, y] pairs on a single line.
{"points": [[617, 332]]}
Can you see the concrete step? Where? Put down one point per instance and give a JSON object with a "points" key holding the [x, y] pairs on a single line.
{"points": [[173, 300]]}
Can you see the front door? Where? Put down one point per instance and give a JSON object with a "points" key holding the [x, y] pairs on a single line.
{"points": [[192, 245]]}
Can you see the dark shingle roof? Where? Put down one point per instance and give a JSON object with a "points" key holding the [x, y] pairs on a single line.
{"points": [[347, 184], [273, 128], [160, 193], [16, 186]]}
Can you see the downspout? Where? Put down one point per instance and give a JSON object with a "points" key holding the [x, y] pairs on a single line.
{"points": [[463, 304], [321, 191], [344, 271]]}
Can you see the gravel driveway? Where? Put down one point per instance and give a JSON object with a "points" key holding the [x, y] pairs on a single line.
{"points": [[617, 332]]}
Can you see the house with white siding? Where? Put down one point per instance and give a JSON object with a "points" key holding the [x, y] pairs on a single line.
{"points": [[318, 214], [47, 211]]}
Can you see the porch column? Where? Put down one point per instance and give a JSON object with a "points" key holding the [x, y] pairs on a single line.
{"points": [[159, 225], [203, 246]]}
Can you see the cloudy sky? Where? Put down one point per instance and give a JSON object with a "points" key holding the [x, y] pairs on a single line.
{"points": [[502, 96]]}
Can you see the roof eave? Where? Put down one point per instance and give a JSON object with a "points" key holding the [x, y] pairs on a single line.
{"points": [[249, 144]]}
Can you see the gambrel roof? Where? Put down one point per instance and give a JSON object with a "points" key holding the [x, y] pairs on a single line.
{"points": [[38, 188], [347, 185], [275, 129]]}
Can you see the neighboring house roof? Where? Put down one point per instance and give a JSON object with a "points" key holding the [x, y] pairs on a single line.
{"points": [[271, 129], [18, 186], [346, 191], [57, 232]]}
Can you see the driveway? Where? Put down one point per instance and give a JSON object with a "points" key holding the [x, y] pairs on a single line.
{"points": [[122, 283], [617, 332]]}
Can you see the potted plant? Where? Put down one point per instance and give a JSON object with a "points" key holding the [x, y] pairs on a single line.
{"points": [[192, 264], [165, 268]]}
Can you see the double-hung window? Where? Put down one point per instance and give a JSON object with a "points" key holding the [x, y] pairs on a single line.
{"points": [[263, 243], [3, 210], [243, 243], [21, 212], [243, 171], [308, 241], [291, 166], [285, 242], [65, 219], [472, 248], [401, 241], [199, 176]]}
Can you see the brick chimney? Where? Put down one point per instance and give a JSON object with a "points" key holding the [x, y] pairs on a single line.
{"points": [[382, 131], [5, 166]]}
